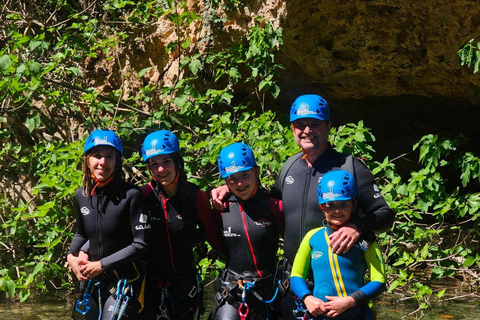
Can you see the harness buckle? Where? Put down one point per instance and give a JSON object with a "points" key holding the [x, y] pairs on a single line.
{"points": [[286, 284], [193, 292], [224, 293]]}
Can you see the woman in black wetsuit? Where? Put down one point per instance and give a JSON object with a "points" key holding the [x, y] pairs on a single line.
{"points": [[251, 224], [111, 228], [176, 208]]}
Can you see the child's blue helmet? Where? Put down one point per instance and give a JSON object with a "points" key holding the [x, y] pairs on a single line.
{"points": [[159, 142], [310, 106], [103, 138], [337, 185], [235, 158]]}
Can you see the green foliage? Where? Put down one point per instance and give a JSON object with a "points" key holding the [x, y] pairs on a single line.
{"points": [[470, 55], [49, 74], [49, 105]]}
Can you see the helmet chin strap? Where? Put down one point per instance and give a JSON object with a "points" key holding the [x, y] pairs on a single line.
{"points": [[98, 182]]}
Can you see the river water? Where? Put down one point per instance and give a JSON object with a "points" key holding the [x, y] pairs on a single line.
{"points": [[388, 306]]}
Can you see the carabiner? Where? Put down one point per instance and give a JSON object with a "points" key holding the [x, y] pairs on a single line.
{"points": [[85, 299], [243, 314]]}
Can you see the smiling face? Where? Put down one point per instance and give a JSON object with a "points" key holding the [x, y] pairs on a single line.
{"points": [[243, 183], [163, 169], [338, 213], [101, 162], [311, 134]]}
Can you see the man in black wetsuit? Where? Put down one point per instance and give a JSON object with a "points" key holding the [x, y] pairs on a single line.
{"points": [[297, 186], [298, 181]]}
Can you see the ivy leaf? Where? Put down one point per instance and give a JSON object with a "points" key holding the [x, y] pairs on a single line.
{"points": [[5, 62], [34, 67], [195, 65], [76, 71], [142, 72], [33, 122]]}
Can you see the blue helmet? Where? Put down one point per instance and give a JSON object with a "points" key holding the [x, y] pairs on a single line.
{"points": [[310, 106], [103, 138], [337, 185], [235, 158], [159, 142]]}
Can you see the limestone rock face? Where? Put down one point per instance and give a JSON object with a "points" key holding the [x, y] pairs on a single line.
{"points": [[362, 48], [391, 63]]}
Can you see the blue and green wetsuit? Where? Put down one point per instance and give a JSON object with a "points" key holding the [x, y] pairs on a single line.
{"points": [[338, 275]]}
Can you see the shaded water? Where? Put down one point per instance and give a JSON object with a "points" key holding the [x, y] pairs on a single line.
{"points": [[387, 307]]}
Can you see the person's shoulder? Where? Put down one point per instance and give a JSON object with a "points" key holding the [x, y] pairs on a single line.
{"points": [[192, 186], [128, 187], [314, 231], [292, 159], [79, 193]]}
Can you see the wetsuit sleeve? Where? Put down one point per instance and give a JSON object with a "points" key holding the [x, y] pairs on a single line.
{"points": [[208, 224], [85, 247], [139, 227], [276, 207], [301, 267], [379, 216], [223, 249], [80, 237], [276, 190], [376, 268]]}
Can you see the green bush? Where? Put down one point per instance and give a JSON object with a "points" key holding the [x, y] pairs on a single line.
{"points": [[49, 104]]}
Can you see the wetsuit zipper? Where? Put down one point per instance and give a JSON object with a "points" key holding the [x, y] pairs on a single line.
{"points": [[100, 196], [254, 257], [304, 206]]}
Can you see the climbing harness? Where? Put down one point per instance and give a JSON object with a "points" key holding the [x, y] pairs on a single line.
{"points": [[122, 296]]}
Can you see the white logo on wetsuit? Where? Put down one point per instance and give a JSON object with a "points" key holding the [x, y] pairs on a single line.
{"points": [[263, 223], [316, 255], [143, 218], [142, 227], [377, 190], [229, 234], [84, 211], [289, 180]]}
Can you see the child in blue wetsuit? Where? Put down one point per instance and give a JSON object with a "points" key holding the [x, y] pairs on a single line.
{"points": [[251, 223], [339, 290]]}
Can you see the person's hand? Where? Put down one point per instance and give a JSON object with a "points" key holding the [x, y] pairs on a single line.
{"points": [[217, 195], [335, 306], [83, 256], [91, 269], [315, 306], [344, 238], [75, 264]]}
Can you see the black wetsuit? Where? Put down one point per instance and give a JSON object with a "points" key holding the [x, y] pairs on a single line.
{"points": [[251, 232], [298, 191], [113, 223], [171, 268]]}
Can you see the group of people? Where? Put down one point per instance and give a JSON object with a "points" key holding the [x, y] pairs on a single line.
{"points": [[133, 247]]}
